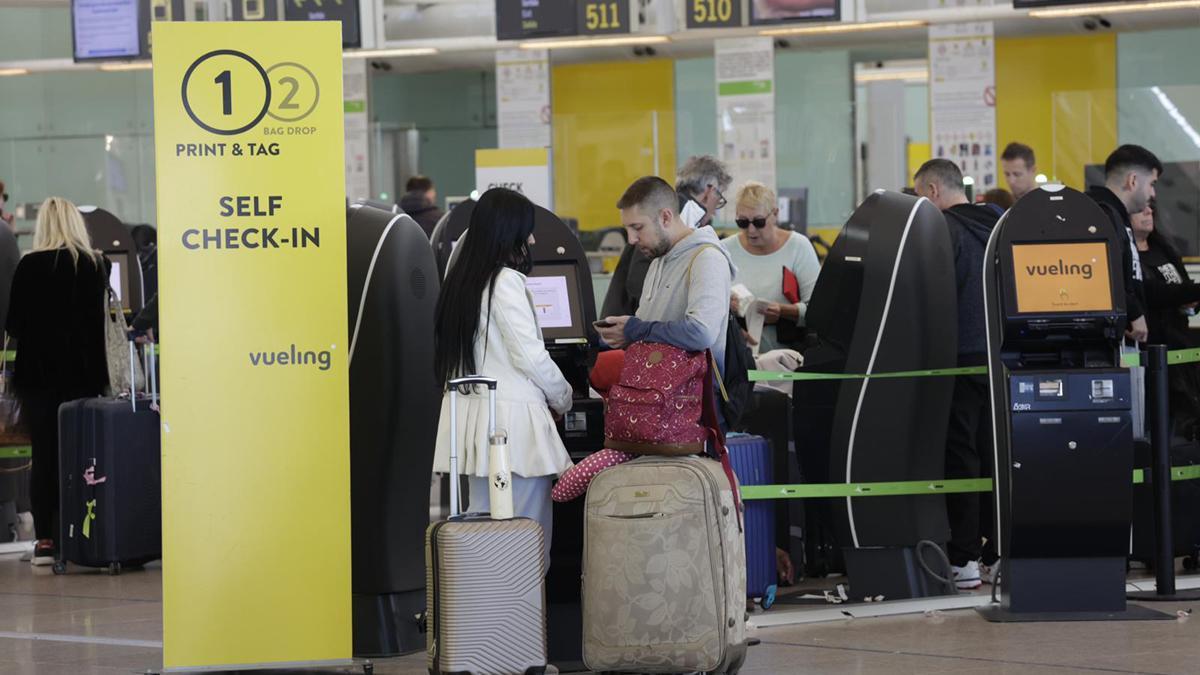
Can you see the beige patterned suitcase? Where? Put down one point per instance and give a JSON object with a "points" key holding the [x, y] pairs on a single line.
{"points": [[664, 571], [484, 585]]}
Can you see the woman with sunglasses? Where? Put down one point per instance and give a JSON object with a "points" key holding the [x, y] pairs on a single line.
{"points": [[779, 266]]}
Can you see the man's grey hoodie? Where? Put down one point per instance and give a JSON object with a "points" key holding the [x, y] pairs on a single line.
{"points": [[690, 315]]}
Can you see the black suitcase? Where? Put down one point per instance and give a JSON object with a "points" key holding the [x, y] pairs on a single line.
{"points": [[110, 485], [1185, 506]]}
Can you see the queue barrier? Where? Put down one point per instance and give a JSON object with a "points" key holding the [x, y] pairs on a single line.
{"points": [[912, 487], [923, 487]]}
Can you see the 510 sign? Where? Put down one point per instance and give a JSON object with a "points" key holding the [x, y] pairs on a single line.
{"points": [[714, 13]]}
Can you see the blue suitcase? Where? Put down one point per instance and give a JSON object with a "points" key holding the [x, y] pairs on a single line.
{"points": [[753, 465]]}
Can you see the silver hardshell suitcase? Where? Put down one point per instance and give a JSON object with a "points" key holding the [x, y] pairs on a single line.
{"points": [[664, 569], [484, 581]]}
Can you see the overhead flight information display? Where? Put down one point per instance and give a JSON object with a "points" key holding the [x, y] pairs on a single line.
{"points": [[782, 11], [345, 11], [105, 29], [522, 19]]}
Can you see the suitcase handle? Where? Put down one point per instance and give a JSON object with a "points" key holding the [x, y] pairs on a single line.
{"points": [[452, 386], [472, 379]]}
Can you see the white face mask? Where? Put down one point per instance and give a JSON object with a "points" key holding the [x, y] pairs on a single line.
{"points": [[692, 214]]}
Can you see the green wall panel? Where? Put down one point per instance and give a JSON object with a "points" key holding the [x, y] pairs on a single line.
{"points": [[814, 130], [695, 109]]}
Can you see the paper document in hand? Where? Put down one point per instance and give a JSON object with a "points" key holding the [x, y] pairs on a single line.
{"points": [[551, 304], [754, 322]]}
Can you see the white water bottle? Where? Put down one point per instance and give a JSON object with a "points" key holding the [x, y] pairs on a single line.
{"points": [[500, 477]]}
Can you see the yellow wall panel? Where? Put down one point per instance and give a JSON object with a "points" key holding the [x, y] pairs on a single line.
{"points": [[613, 122], [1057, 94], [918, 154]]}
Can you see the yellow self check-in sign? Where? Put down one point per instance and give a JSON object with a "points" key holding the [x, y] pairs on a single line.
{"points": [[252, 241]]}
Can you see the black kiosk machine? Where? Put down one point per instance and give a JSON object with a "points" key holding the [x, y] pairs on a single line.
{"points": [[1055, 297]]}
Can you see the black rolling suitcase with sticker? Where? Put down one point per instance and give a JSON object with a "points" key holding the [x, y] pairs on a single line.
{"points": [[110, 491]]}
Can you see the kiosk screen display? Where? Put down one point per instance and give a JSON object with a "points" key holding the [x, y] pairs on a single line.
{"points": [[118, 276], [556, 301], [105, 29], [1062, 277]]}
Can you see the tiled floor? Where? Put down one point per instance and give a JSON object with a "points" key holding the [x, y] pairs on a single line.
{"points": [[92, 623]]}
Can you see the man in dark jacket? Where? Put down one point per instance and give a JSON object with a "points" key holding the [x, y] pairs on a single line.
{"points": [[1130, 173], [969, 434], [704, 179], [420, 202]]}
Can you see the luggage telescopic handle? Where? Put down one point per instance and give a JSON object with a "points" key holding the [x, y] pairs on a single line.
{"points": [[452, 386], [472, 379]]}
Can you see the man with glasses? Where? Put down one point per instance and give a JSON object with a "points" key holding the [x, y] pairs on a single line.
{"points": [[699, 184]]}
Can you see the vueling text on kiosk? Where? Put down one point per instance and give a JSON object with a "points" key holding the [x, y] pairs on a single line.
{"points": [[1062, 268]]}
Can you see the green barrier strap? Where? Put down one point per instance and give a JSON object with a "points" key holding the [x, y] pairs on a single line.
{"points": [[16, 452], [1183, 356], [912, 487], [1174, 357], [915, 487], [772, 376]]}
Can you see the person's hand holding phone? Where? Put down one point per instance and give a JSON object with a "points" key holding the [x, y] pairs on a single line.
{"points": [[612, 330]]}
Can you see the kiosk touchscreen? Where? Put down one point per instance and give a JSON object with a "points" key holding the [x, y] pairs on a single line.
{"points": [[1061, 401], [118, 275], [556, 303]]}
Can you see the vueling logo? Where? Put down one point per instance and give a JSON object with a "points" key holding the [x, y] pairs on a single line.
{"points": [[1061, 269]]}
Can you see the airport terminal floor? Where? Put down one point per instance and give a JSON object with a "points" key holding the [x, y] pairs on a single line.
{"points": [[94, 624]]}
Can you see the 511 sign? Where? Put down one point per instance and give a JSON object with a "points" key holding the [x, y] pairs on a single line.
{"points": [[714, 13], [603, 16]]}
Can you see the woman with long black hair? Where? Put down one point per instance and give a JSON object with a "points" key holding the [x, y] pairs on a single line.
{"points": [[485, 325]]}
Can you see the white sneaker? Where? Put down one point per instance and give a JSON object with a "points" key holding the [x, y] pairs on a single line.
{"points": [[990, 572], [967, 576]]}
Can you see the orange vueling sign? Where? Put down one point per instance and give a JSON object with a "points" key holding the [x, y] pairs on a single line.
{"points": [[1062, 277]]}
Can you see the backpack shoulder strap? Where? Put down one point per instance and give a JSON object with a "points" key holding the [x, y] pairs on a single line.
{"points": [[693, 260], [711, 357]]}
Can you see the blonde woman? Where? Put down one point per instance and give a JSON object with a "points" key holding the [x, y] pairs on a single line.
{"points": [[766, 256], [56, 312]]}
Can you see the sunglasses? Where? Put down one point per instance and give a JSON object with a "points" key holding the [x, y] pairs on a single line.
{"points": [[744, 223]]}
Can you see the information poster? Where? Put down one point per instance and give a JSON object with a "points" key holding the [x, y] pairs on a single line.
{"points": [[255, 423], [355, 101], [962, 99], [746, 108], [526, 170], [523, 98]]}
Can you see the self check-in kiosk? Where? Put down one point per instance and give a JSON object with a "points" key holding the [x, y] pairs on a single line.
{"points": [[115, 240], [394, 401], [1062, 426], [885, 301]]}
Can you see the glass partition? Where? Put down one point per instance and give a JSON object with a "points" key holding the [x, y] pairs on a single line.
{"points": [[1088, 125]]}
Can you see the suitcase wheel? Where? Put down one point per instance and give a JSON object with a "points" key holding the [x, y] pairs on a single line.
{"points": [[114, 568], [60, 567]]}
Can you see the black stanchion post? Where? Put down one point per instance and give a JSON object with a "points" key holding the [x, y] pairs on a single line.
{"points": [[1157, 406], [1158, 421]]}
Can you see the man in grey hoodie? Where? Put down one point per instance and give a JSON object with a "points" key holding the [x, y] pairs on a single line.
{"points": [[687, 309]]}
